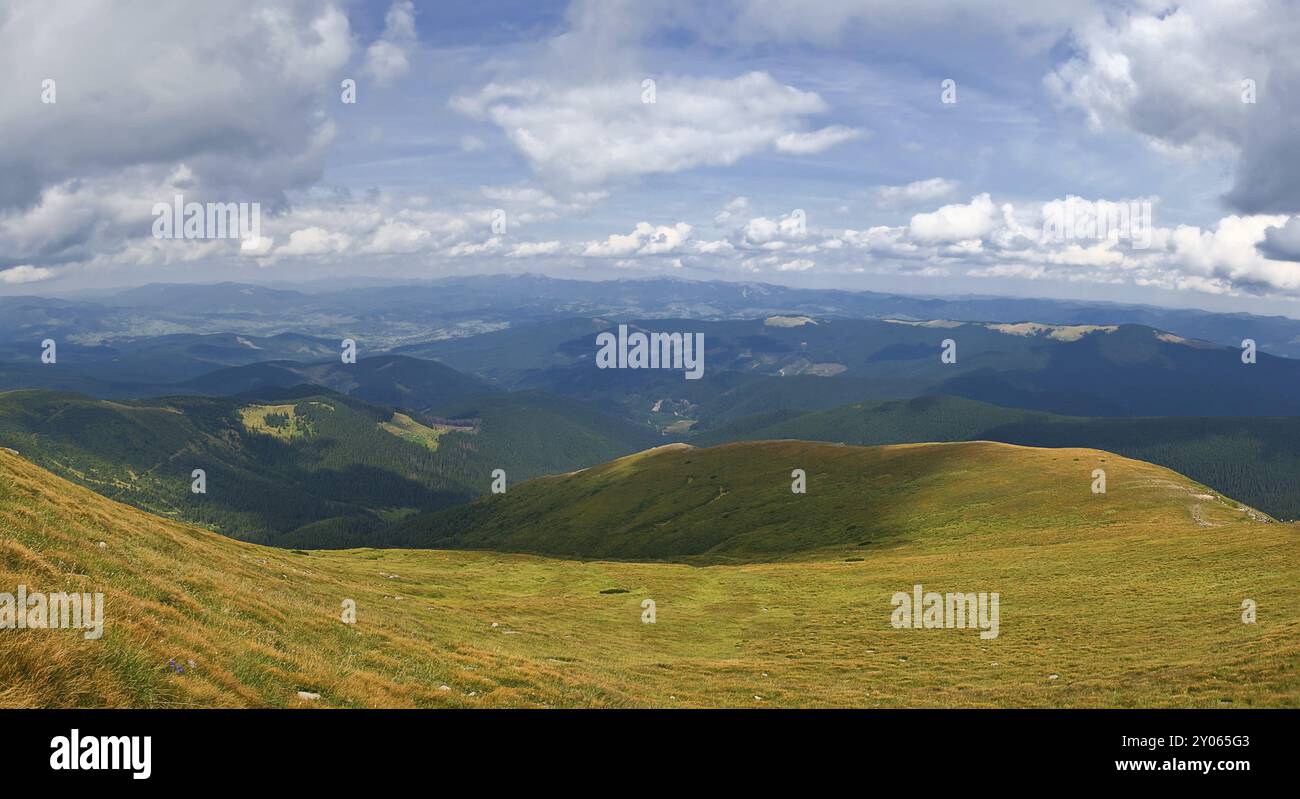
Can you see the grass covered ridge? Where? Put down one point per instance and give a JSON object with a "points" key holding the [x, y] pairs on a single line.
{"points": [[1135, 607], [735, 502]]}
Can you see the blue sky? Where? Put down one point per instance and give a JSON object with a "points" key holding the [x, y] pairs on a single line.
{"points": [[805, 143]]}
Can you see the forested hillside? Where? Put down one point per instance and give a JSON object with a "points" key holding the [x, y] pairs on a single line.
{"points": [[304, 466]]}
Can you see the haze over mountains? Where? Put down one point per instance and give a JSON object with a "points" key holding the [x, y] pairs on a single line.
{"points": [[503, 377], [387, 316]]}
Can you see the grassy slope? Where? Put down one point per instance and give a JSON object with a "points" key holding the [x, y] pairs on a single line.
{"points": [[734, 502], [1127, 609], [1253, 459]]}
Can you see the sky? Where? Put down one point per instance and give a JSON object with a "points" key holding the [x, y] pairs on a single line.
{"points": [[926, 147]]}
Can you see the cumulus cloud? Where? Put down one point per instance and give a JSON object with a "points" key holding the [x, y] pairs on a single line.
{"points": [[1174, 75], [398, 236], [218, 103], [388, 58], [593, 132], [314, 241], [1228, 255], [1282, 243], [1234, 256], [645, 239], [222, 87], [957, 222], [774, 233]]}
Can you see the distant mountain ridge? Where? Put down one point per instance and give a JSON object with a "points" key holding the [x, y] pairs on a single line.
{"points": [[1082, 370], [398, 315]]}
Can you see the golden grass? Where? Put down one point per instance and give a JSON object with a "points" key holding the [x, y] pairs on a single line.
{"points": [[1133, 612], [405, 427], [254, 419]]}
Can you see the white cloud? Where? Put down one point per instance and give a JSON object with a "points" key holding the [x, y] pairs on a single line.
{"points": [[645, 239], [314, 241], [957, 222], [595, 132], [534, 248], [399, 237], [716, 247], [152, 86], [797, 265], [1173, 75], [1229, 254], [388, 58], [25, 274], [774, 233], [526, 204], [1237, 255], [920, 191], [816, 141], [464, 249], [730, 211]]}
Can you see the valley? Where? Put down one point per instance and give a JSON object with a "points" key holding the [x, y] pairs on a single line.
{"points": [[303, 466]]}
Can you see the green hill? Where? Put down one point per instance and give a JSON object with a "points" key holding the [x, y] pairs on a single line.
{"points": [[735, 502], [1254, 459], [1128, 600]]}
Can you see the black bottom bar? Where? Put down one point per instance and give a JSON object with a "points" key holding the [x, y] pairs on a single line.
{"points": [[193, 748]]}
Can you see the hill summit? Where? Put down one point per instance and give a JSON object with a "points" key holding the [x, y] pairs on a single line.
{"points": [[740, 501]]}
